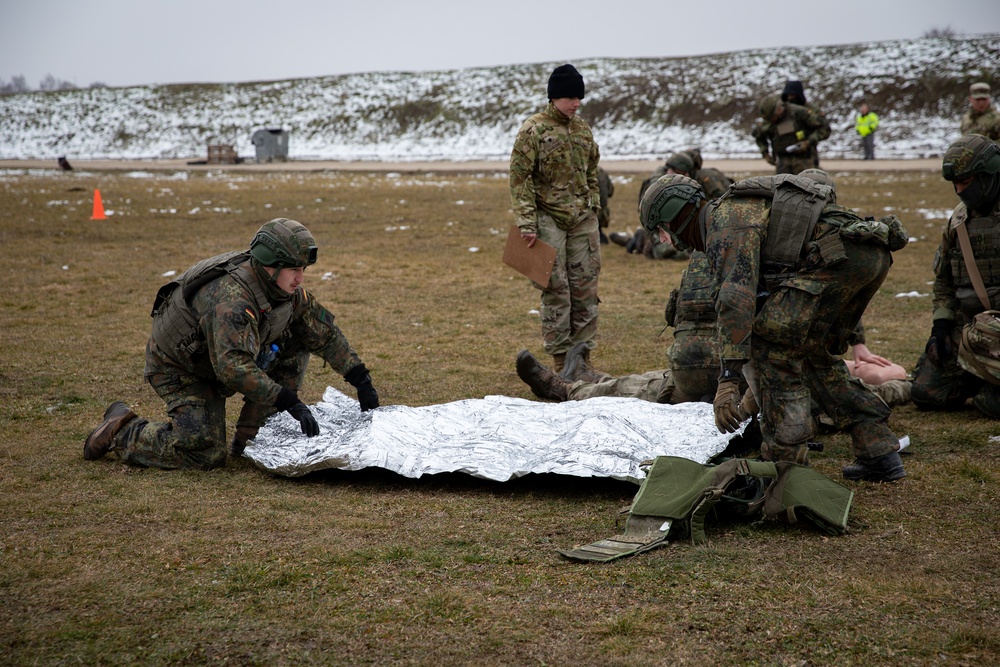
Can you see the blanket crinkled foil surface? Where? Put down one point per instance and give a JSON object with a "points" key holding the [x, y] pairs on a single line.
{"points": [[496, 437]]}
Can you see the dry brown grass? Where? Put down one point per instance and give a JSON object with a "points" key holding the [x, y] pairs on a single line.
{"points": [[104, 564]]}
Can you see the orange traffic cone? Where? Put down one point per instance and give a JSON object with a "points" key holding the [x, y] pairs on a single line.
{"points": [[98, 207]]}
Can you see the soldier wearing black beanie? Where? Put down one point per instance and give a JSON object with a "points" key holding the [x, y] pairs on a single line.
{"points": [[565, 81], [556, 199]]}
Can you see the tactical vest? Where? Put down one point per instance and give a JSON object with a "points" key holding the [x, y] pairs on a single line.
{"points": [[786, 133], [796, 205], [984, 236], [679, 494], [175, 325]]}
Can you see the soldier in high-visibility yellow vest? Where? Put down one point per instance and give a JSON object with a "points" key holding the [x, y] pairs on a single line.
{"points": [[866, 124]]}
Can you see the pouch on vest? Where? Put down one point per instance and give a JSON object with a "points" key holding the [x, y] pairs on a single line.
{"points": [[795, 209], [979, 351], [679, 494]]}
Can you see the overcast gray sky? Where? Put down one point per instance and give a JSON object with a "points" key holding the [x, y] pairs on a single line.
{"points": [[127, 42]]}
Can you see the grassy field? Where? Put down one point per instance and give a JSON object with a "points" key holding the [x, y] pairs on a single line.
{"points": [[105, 564]]}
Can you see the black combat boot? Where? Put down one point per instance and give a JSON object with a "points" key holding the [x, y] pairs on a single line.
{"points": [[99, 441], [620, 238], [886, 468], [543, 382]]}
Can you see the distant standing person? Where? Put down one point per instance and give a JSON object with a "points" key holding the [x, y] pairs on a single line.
{"points": [[606, 190], [555, 195], [981, 118], [866, 123], [787, 134], [795, 93]]}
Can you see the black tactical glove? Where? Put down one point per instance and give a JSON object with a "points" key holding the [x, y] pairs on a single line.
{"points": [[309, 425], [288, 401], [939, 348], [359, 378]]}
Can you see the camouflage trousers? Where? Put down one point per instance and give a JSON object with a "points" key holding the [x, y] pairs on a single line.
{"points": [[798, 334], [660, 386], [195, 435], [793, 164], [949, 386], [653, 386], [569, 303], [694, 360]]}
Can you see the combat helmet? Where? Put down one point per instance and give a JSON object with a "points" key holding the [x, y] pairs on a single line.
{"points": [[665, 200], [822, 178], [283, 243], [681, 162], [975, 159], [969, 155], [768, 106]]}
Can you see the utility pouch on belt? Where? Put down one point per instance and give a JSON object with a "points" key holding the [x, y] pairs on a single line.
{"points": [[979, 351], [831, 250]]}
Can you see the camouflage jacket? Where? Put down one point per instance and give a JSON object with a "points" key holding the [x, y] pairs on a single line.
{"points": [[954, 296], [553, 170], [229, 324], [734, 235], [606, 190], [691, 311], [713, 182], [797, 124], [986, 123]]}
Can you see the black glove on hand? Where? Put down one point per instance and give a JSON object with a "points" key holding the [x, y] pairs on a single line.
{"points": [[359, 378], [305, 416], [939, 347], [288, 401]]}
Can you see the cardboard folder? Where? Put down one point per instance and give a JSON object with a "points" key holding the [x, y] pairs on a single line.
{"points": [[535, 262]]}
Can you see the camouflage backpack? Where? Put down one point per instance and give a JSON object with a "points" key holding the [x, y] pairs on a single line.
{"points": [[979, 352]]}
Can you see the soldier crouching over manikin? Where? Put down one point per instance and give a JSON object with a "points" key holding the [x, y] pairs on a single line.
{"points": [[793, 275], [242, 323]]}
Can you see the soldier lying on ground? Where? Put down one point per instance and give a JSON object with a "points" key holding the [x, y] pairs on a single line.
{"points": [[686, 163], [235, 323]]}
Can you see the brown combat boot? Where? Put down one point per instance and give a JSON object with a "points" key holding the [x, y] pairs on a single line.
{"points": [[543, 382], [100, 440], [577, 366], [558, 361]]}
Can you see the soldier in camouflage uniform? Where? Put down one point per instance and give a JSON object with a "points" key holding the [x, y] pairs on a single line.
{"points": [[693, 356], [981, 118], [972, 164], [787, 134], [236, 323], [606, 190], [687, 162], [795, 93], [555, 195], [793, 274]]}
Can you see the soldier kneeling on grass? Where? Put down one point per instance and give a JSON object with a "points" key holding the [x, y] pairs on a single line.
{"points": [[235, 323]]}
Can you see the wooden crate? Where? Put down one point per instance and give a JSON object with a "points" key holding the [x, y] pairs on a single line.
{"points": [[221, 154]]}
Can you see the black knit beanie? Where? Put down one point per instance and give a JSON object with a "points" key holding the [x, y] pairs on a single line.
{"points": [[565, 82]]}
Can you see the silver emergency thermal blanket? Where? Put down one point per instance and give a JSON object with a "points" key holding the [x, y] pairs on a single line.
{"points": [[496, 437]]}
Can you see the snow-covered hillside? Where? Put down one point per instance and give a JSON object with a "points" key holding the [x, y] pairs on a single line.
{"points": [[639, 108]]}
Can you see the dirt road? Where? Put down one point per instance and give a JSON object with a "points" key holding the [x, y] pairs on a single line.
{"points": [[613, 166]]}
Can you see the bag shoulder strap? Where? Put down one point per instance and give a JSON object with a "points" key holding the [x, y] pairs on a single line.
{"points": [[970, 264]]}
